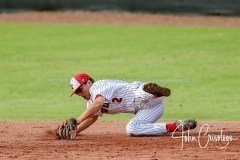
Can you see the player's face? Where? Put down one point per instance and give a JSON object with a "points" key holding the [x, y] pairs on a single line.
{"points": [[83, 91]]}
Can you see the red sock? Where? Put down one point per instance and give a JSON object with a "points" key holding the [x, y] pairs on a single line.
{"points": [[171, 127]]}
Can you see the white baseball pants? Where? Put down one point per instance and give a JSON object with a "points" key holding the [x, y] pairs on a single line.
{"points": [[149, 110]]}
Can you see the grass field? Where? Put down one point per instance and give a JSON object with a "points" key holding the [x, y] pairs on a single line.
{"points": [[200, 64]]}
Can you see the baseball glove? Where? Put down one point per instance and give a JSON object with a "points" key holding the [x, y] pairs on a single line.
{"points": [[67, 130]]}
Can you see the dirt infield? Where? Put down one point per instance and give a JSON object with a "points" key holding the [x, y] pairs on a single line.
{"points": [[118, 18], [107, 140]]}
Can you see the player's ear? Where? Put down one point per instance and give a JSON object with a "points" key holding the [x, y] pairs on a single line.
{"points": [[89, 82]]}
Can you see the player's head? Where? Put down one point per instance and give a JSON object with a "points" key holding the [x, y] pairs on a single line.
{"points": [[81, 84]]}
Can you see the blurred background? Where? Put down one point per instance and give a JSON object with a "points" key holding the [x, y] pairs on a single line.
{"points": [[190, 46], [207, 7]]}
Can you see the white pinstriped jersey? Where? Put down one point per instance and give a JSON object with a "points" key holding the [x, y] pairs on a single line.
{"points": [[119, 95], [124, 97]]}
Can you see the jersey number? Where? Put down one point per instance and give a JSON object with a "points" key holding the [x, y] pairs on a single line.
{"points": [[106, 105]]}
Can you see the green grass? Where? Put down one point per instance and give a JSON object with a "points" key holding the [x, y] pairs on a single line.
{"points": [[37, 61]]}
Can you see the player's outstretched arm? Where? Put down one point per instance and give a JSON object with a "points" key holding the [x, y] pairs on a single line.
{"points": [[92, 109], [85, 124]]}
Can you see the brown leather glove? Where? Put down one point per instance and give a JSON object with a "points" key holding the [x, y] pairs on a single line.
{"points": [[67, 130]]}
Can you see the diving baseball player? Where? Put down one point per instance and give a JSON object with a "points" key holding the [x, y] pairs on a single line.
{"points": [[145, 100]]}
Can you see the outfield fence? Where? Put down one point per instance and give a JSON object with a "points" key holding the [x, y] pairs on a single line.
{"points": [[207, 7]]}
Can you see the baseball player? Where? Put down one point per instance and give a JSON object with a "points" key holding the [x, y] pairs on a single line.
{"points": [[145, 100]]}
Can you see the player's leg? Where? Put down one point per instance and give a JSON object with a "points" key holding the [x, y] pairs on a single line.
{"points": [[150, 108], [144, 121]]}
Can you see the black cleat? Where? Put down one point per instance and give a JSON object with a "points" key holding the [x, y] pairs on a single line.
{"points": [[156, 90]]}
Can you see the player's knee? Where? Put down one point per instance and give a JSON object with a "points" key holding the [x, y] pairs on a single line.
{"points": [[132, 130]]}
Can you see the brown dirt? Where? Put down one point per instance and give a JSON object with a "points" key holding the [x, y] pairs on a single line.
{"points": [[118, 18], [107, 140]]}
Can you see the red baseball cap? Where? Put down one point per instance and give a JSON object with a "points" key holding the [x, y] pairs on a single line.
{"points": [[77, 80]]}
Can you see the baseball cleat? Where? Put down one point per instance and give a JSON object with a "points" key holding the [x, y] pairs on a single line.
{"points": [[156, 90], [185, 125]]}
